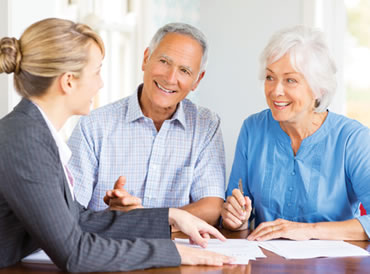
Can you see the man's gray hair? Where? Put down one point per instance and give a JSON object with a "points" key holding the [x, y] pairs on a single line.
{"points": [[309, 55], [184, 29]]}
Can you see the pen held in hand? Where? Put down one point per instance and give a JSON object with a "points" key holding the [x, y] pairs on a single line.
{"points": [[241, 190]]}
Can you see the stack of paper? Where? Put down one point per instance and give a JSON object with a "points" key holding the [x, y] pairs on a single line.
{"points": [[312, 249], [242, 250]]}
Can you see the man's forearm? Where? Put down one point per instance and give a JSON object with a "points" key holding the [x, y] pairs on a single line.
{"points": [[208, 209]]}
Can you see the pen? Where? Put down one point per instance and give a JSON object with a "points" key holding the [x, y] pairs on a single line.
{"points": [[241, 189]]}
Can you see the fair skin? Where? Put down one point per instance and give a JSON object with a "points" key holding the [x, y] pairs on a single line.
{"points": [[171, 72], [69, 95], [291, 101], [199, 232]]}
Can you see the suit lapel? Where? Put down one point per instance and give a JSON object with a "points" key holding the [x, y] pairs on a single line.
{"points": [[67, 192]]}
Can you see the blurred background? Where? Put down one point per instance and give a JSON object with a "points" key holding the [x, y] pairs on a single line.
{"points": [[237, 31]]}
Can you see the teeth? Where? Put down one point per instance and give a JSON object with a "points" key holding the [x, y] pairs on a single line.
{"points": [[281, 104], [165, 90]]}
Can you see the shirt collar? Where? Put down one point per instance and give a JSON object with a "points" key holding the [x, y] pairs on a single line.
{"points": [[134, 110], [64, 151], [179, 115]]}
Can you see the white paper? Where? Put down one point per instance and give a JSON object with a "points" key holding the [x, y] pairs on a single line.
{"points": [[312, 249], [37, 257], [242, 250]]}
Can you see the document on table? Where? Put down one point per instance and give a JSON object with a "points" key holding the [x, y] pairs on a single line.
{"points": [[37, 257], [242, 250], [312, 249]]}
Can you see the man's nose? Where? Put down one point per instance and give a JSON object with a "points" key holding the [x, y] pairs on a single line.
{"points": [[171, 76]]}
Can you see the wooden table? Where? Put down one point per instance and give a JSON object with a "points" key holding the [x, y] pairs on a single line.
{"points": [[272, 264]]}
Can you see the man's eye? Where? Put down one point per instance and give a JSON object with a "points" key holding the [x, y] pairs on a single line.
{"points": [[185, 71]]}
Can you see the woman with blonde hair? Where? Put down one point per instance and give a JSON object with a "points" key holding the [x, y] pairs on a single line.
{"points": [[56, 65]]}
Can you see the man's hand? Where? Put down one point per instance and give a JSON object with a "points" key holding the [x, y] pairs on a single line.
{"points": [[120, 199], [281, 228], [236, 211]]}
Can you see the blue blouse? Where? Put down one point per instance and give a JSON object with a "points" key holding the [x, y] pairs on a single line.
{"points": [[325, 181]]}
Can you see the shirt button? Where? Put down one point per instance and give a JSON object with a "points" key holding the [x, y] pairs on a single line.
{"points": [[290, 189], [289, 204], [293, 173], [154, 167]]}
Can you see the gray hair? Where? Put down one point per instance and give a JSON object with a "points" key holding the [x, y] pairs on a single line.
{"points": [[185, 29], [309, 55]]}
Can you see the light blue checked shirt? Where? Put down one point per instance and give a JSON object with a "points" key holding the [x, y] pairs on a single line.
{"points": [[180, 164]]}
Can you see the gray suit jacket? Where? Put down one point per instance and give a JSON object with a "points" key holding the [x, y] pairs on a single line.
{"points": [[37, 210]]}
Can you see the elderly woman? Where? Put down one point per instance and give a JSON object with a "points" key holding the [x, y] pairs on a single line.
{"points": [[304, 170], [56, 65]]}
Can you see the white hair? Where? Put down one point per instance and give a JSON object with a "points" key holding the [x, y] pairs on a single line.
{"points": [[309, 55], [185, 29]]}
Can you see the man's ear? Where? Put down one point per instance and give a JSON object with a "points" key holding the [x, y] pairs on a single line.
{"points": [[145, 59], [201, 75], [66, 82]]}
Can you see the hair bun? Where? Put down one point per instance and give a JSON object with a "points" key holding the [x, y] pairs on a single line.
{"points": [[10, 55]]}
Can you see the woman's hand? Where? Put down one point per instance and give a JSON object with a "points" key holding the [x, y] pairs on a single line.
{"points": [[281, 228], [197, 256], [236, 211], [198, 230]]}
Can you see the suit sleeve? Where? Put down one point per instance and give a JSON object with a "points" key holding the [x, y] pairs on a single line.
{"points": [[128, 225], [35, 185]]}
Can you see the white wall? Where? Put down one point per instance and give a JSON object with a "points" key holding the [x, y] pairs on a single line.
{"points": [[4, 78], [15, 17], [237, 31]]}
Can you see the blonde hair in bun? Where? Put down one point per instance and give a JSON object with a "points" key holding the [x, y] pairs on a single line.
{"points": [[10, 55], [46, 50]]}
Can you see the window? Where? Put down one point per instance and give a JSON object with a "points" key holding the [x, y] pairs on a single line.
{"points": [[117, 24], [357, 60]]}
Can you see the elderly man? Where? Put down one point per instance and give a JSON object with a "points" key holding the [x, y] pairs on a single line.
{"points": [[169, 150]]}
